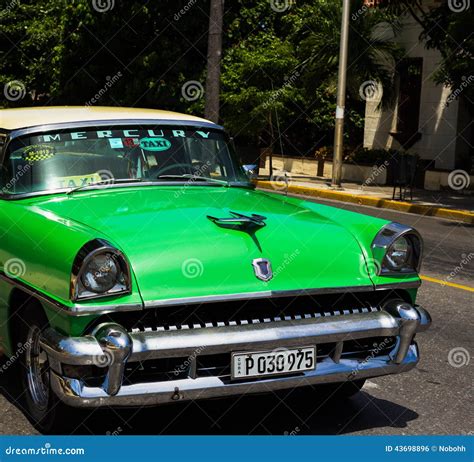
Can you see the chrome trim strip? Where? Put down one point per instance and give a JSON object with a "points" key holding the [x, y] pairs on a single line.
{"points": [[76, 309], [255, 295], [114, 122], [75, 393], [399, 285], [83, 310]]}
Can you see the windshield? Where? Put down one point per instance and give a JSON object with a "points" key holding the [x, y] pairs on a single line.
{"points": [[70, 159]]}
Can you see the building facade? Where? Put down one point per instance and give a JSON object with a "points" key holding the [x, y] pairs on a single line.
{"points": [[428, 119]]}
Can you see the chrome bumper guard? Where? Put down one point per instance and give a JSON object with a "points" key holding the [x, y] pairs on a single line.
{"points": [[111, 346]]}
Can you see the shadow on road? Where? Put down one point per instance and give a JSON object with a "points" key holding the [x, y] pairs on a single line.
{"points": [[292, 412], [457, 224]]}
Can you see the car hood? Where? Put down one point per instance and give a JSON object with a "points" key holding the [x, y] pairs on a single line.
{"points": [[176, 252]]}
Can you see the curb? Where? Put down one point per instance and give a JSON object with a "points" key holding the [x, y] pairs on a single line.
{"points": [[419, 209]]}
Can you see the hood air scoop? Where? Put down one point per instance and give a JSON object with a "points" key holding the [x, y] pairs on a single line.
{"points": [[240, 221]]}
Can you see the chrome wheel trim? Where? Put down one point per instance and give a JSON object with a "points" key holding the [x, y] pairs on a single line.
{"points": [[37, 369]]}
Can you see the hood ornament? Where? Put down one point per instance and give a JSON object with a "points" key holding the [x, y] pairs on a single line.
{"points": [[239, 220], [263, 269]]}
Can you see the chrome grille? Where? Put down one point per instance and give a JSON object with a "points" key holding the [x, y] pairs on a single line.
{"points": [[242, 312], [142, 327]]}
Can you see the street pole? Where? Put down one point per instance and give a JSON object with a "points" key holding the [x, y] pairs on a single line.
{"points": [[214, 52], [341, 97]]}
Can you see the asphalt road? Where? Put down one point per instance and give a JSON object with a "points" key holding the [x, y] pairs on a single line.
{"points": [[435, 398]]}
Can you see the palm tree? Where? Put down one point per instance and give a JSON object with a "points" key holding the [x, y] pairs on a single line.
{"points": [[373, 53], [214, 53]]}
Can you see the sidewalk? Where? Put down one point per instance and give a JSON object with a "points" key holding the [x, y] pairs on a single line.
{"points": [[443, 204]]}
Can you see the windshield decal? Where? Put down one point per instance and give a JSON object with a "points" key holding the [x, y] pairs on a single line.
{"points": [[131, 142], [116, 143], [77, 180], [129, 134], [37, 152], [155, 144]]}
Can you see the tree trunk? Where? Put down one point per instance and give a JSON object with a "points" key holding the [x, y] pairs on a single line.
{"points": [[214, 53]]}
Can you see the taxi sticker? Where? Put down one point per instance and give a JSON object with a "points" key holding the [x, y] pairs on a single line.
{"points": [[37, 152], [78, 180], [155, 144]]}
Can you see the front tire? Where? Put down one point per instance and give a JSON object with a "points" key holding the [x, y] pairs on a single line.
{"points": [[40, 404]]}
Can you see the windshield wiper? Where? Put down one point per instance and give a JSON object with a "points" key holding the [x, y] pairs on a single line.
{"points": [[190, 176], [111, 181]]}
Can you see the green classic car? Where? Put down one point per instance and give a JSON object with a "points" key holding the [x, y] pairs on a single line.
{"points": [[140, 266]]}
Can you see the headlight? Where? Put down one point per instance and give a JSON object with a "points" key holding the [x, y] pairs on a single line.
{"points": [[398, 254], [397, 249], [99, 270], [100, 274]]}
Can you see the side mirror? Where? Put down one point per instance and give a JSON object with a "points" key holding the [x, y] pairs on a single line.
{"points": [[251, 171]]}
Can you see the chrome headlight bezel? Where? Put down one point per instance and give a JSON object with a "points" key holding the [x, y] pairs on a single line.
{"points": [[384, 241], [85, 256]]}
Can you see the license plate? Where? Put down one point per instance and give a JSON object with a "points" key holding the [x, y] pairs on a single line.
{"points": [[275, 362]]}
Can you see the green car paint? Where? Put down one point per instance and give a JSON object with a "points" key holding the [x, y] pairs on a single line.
{"points": [[175, 251]]}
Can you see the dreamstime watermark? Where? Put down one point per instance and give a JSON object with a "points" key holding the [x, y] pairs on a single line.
{"points": [[115, 432], [458, 180], [458, 357], [8, 9], [186, 364], [105, 359], [293, 432], [184, 10], [378, 348], [280, 181], [110, 82], [360, 12], [14, 90], [102, 6], [465, 260], [370, 90], [458, 6], [14, 268], [22, 347], [22, 170], [370, 267], [288, 83], [466, 81], [375, 173], [280, 6], [106, 176], [192, 90], [192, 268], [46, 450], [287, 261]]}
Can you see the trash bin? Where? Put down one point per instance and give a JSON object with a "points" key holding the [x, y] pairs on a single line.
{"points": [[403, 168]]}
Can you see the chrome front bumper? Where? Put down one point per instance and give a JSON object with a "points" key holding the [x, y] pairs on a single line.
{"points": [[112, 347]]}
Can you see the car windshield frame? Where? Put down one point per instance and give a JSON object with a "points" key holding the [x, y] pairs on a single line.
{"points": [[241, 179]]}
